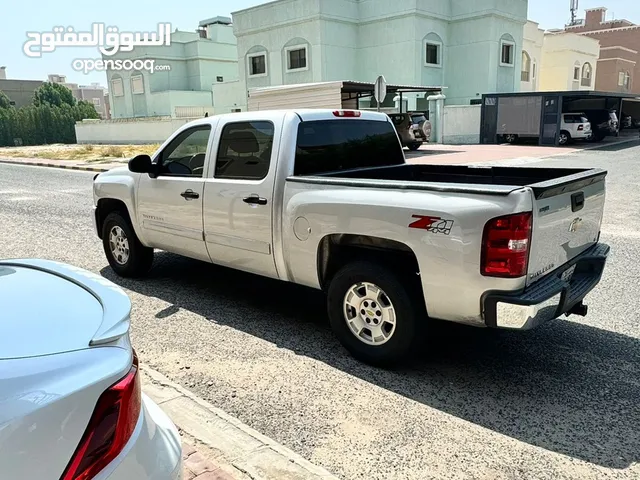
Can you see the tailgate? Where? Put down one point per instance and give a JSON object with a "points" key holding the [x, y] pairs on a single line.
{"points": [[567, 215]]}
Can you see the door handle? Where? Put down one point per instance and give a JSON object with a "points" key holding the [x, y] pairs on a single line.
{"points": [[189, 195], [255, 200]]}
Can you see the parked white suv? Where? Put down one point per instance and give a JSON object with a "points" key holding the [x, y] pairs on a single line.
{"points": [[575, 126]]}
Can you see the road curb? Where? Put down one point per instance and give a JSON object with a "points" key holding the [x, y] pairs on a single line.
{"points": [[246, 449], [54, 165]]}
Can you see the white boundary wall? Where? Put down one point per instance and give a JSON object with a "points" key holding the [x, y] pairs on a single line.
{"points": [[461, 124], [128, 131]]}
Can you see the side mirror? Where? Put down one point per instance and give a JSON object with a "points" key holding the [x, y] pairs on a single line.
{"points": [[141, 164]]}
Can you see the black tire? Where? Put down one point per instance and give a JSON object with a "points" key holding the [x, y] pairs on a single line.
{"points": [[140, 257], [414, 146], [406, 298], [568, 141], [511, 138]]}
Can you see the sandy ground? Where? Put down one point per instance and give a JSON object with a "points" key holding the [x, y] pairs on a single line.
{"points": [[86, 153]]}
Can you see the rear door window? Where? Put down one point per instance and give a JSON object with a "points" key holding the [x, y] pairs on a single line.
{"points": [[245, 149], [333, 145]]}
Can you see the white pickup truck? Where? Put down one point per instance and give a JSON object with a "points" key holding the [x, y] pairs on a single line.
{"points": [[325, 199]]}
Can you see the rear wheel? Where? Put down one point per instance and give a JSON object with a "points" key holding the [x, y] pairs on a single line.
{"points": [[414, 146], [511, 138], [126, 255], [376, 316], [564, 138]]}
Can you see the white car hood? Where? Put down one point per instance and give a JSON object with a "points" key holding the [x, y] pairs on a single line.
{"points": [[48, 308]]}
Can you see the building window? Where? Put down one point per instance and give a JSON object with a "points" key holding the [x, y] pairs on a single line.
{"points": [[586, 75], [621, 79], [576, 73], [433, 55], [297, 58], [534, 69], [96, 101], [525, 75], [117, 88], [258, 65], [219, 79], [137, 84], [506, 53]]}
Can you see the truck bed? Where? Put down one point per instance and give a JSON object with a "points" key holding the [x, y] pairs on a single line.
{"points": [[544, 182]]}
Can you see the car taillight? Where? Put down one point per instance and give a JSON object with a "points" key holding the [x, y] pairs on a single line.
{"points": [[347, 113], [112, 423], [505, 246]]}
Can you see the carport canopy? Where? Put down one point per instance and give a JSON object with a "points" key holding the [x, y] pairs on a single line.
{"points": [[540, 112], [356, 90]]}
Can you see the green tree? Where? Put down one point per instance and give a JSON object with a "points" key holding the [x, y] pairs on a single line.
{"points": [[5, 102], [86, 110], [53, 94]]}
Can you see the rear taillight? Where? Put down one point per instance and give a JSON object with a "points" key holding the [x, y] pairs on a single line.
{"points": [[347, 113], [112, 423], [505, 246]]}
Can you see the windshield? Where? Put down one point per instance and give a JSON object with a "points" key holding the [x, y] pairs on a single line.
{"points": [[333, 145]]}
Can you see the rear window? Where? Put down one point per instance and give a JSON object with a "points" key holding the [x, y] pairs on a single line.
{"points": [[397, 119], [333, 145], [418, 118]]}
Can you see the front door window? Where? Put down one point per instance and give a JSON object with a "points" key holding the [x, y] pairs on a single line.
{"points": [[185, 155]]}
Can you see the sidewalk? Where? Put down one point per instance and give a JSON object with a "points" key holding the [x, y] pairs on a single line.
{"points": [[68, 164], [217, 446]]}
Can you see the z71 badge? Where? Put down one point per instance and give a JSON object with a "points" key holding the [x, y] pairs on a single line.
{"points": [[432, 224]]}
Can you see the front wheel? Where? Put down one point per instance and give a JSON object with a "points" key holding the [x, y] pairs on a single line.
{"points": [[126, 255], [511, 138], [373, 313], [414, 146]]}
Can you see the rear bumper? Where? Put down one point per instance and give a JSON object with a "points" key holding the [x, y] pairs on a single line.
{"points": [[582, 134], [549, 297], [154, 451]]}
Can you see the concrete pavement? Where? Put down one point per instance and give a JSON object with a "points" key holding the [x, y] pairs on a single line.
{"points": [[560, 402], [229, 448]]}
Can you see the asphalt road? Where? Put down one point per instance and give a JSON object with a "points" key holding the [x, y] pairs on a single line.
{"points": [[559, 402]]}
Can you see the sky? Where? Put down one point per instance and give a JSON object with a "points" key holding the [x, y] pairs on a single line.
{"points": [[144, 16]]}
